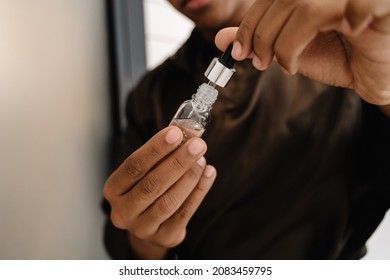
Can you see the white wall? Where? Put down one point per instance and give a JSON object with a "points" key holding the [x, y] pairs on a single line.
{"points": [[166, 29], [54, 128], [379, 244]]}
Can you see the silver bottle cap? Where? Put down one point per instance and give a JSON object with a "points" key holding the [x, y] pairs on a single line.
{"points": [[218, 73]]}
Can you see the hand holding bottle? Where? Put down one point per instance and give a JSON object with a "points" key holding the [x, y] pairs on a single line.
{"points": [[156, 190]]}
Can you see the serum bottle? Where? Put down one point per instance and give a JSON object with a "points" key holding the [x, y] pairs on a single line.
{"points": [[194, 115]]}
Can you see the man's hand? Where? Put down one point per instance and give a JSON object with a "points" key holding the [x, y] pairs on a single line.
{"points": [[338, 42], [157, 189]]}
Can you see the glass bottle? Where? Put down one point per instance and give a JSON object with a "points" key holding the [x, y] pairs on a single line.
{"points": [[193, 115]]}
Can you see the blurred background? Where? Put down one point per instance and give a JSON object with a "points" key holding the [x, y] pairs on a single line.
{"points": [[65, 68]]}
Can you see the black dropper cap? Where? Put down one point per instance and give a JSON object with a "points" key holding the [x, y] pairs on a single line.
{"points": [[226, 59]]}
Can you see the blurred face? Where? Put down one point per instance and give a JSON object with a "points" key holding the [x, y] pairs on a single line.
{"points": [[210, 15]]}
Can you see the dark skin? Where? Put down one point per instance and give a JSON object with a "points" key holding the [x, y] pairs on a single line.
{"points": [[342, 43], [158, 188]]}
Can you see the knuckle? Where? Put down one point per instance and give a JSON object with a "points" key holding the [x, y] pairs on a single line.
{"points": [[245, 27], [167, 203], [134, 167], [107, 191], [194, 173], [149, 186], [184, 212], [141, 232], [176, 164], [163, 241], [259, 40], [155, 151], [262, 46], [176, 239], [117, 220]]}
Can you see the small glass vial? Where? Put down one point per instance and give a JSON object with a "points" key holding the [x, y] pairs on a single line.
{"points": [[193, 115]]}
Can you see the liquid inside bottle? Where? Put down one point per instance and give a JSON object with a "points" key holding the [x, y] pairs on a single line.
{"points": [[189, 127], [193, 115]]}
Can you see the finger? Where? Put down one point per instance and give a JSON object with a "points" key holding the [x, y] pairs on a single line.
{"points": [[243, 43], [182, 216], [359, 14], [167, 204], [224, 37], [267, 31], [164, 175], [298, 32], [143, 160]]}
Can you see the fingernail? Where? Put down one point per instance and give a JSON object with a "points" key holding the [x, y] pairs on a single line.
{"points": [[237, 49], [195, 147], [201, 162], [256, 61], [172, 136], [345, 27], [209, 171]]}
